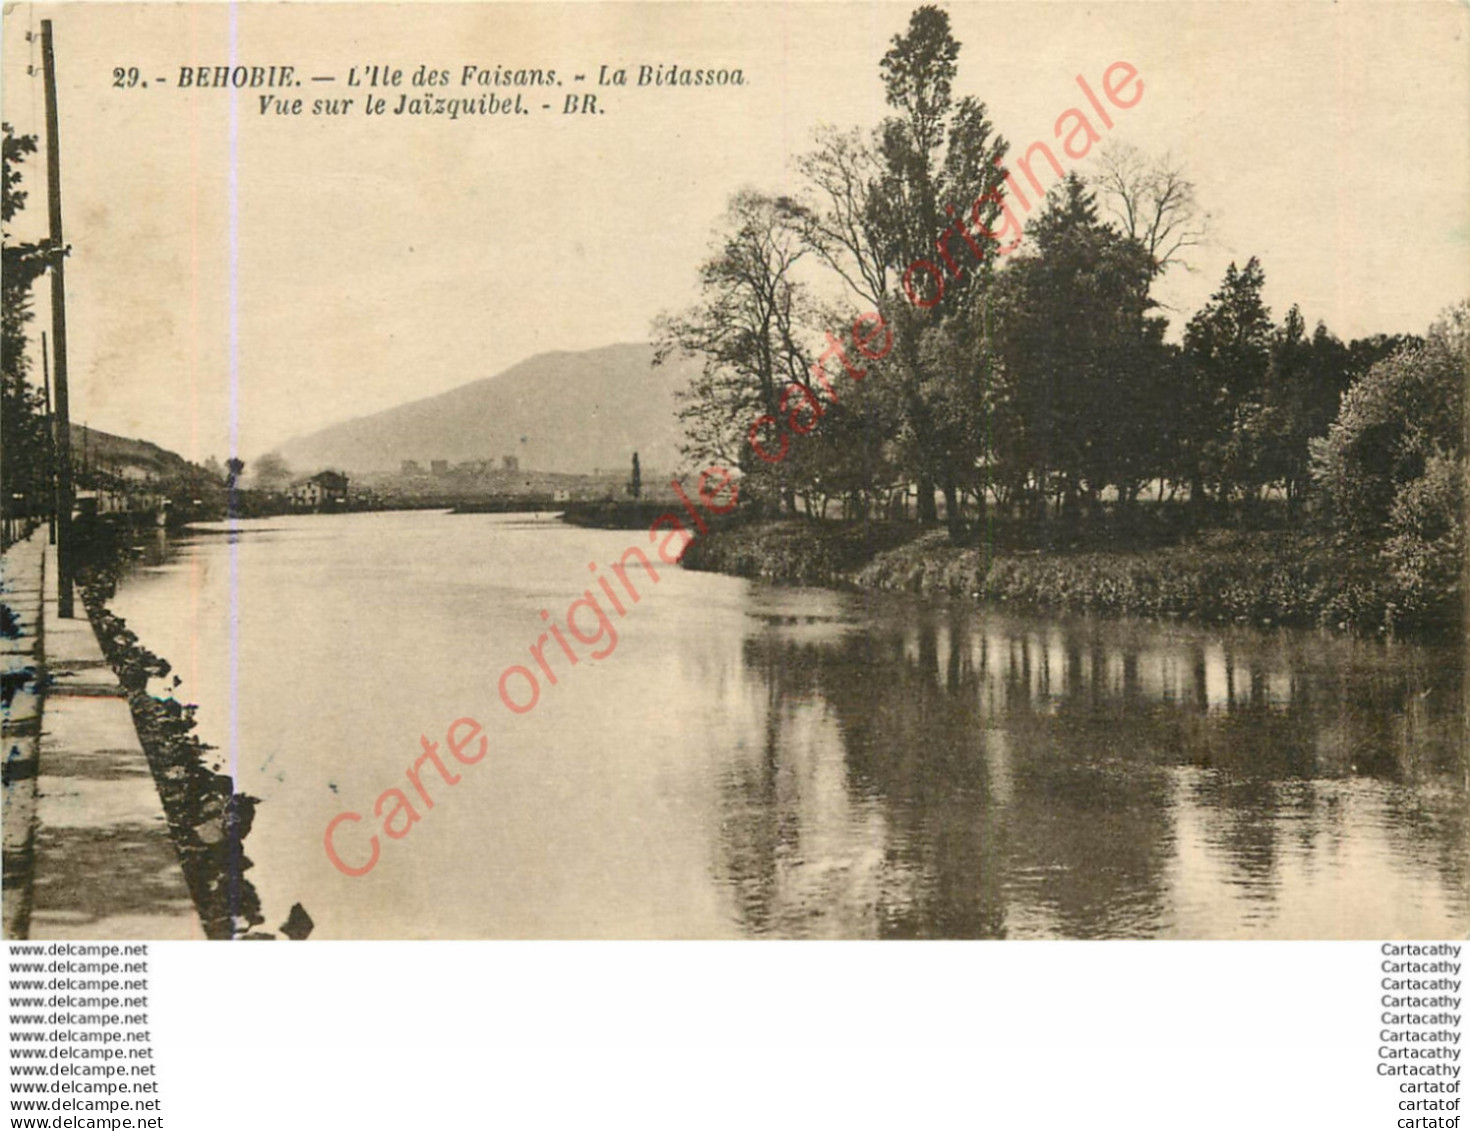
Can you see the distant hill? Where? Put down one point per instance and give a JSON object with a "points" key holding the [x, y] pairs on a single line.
{"points": [[91, 448], [562, 411]]}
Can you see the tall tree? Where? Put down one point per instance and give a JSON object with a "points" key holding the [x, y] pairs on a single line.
{"points": [[1227, 345], [234, 469], [635, 480], [749, 327], [1305, 379], [1152, 202], [939, 188], [902, 216], [843, 222], [1081, 354]]}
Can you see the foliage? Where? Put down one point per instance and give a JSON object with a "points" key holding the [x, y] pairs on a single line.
{"points": [[938, 153], [1043, 383], [1405, 411], [1392, 469], [897, 215], [1227, 347], [271, 472], [808, 553], [749, 327], [1153, 203], [1085, 364], [25, 448], [1425, 549]]}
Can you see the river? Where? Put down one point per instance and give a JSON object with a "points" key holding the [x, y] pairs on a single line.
{"points": [[756, 760]]}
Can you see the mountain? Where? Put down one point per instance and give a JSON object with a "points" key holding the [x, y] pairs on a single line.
{"points": [[562, 411]]}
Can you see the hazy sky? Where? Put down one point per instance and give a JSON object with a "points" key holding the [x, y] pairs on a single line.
{"points": [[382, 259]]}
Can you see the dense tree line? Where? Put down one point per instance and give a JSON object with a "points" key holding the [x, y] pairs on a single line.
{"points": [[1032, 377], [25, 446]]}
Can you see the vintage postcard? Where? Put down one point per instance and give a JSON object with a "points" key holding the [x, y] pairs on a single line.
{"points": [[698, 470]]}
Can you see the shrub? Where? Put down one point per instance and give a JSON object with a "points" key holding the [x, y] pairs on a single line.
{"points": [[1406, 410], [1392, 472], [1426, 544]]}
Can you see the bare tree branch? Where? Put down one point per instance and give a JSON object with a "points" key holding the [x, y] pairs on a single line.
{"points": [[1153, 203]]}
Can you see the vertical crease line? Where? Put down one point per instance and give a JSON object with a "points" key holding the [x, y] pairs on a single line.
{"points": [[234, 403]]}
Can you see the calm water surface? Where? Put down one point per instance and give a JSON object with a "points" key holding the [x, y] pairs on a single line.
{"points": [[763, 761]]}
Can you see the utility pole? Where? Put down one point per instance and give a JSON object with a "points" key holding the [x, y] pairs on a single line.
{"points": [[65, 550], [51, 429]]}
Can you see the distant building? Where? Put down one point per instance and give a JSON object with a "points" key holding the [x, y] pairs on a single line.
{"points": [[511, 463], [410, 467], [304, 493], [323, 487], [333, 483], [561, 495], [439, 466]]}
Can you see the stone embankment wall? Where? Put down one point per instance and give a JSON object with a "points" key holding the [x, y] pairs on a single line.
{"points": [[87, 846]]}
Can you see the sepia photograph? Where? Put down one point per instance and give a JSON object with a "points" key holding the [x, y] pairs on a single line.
{"points": [[731, 471]]}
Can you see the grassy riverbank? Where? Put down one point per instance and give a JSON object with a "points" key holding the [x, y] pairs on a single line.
{"points": [[1272, 577], [621, 514]]}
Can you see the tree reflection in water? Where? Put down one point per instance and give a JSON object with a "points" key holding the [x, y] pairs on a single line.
{"points": [[930, 771]]}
